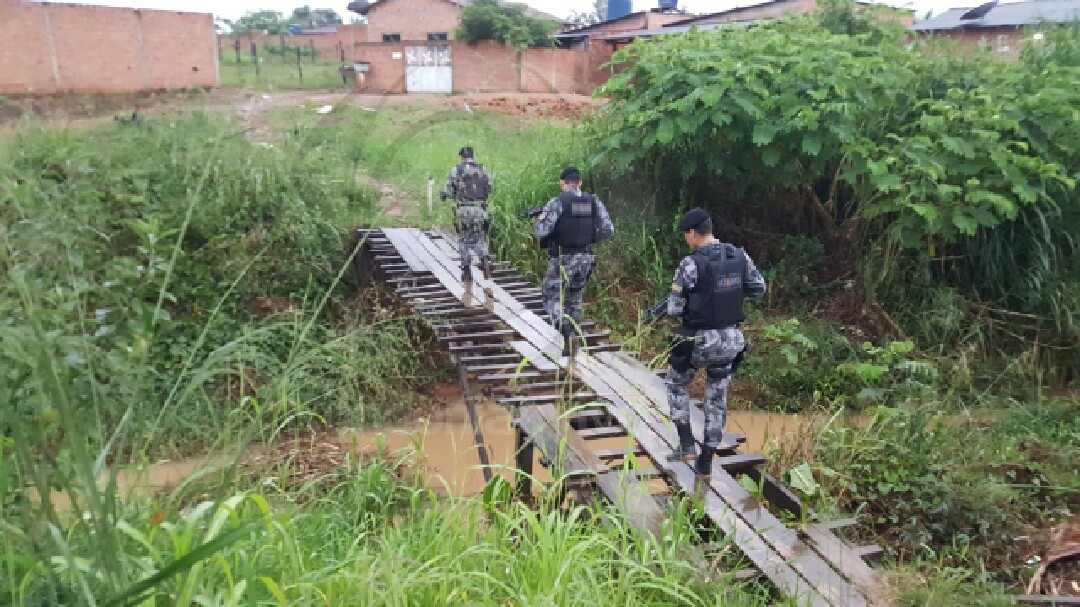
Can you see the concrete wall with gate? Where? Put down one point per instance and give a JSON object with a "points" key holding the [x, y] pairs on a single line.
{"points": [[66, 48], [488, 67]]}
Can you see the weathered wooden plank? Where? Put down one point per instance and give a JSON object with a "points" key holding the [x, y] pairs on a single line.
{"points": [[532, 388], [733, 463], [605, 432], [534, 356], [626, 492], [849, 563], [490, 358], [487, 335], [497, 347], [838, 524], [498, 377], [612, 454], [497, 367], [548, 399], [400, 238], [564, 460]]}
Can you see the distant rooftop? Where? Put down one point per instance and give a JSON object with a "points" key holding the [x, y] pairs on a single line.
{"points": [[1015, 14]]}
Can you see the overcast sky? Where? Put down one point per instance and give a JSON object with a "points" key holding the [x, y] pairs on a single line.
{"points": [[231, 9]]}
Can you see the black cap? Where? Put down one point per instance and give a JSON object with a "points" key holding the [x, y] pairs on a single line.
{"points": [[466, 152], [692, 219], [570, 174]]}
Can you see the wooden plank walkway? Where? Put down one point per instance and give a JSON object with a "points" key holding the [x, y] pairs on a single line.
{"points": [[509, 344]]}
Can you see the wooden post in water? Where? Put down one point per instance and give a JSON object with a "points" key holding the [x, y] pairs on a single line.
{"points": [[474, 419], [523, 461]]}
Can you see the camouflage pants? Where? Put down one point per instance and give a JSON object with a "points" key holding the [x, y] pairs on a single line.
{"points": [[713, 351], [472, 244], [471, 219], [563, 287]]}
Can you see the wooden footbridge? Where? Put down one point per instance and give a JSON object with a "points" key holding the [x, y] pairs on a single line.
{"points": [[574, 409]]}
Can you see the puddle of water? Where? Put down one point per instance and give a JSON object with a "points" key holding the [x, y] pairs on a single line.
{"points": [[449, 447], [145, 481]]}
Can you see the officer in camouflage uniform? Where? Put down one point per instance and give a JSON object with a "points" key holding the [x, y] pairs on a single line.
{"points": [[707, 292], [469, 184], [568, 227]]}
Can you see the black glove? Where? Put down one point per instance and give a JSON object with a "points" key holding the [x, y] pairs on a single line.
{"points": [[681, 342]]}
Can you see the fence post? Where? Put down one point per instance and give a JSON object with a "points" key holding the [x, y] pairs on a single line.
{"points": [[299, 66], [312, 42], [255, 57], [282, 37], [236, 45]]}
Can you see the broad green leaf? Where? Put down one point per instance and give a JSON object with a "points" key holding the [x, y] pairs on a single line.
{"points": [[801, 479], [764, 134], [665, 131]]}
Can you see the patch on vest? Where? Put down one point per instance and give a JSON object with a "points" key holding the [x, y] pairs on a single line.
{"points": [[581, 209], [731, 282]]}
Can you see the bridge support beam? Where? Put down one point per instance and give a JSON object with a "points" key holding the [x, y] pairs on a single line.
{"points": [[524, 451]]}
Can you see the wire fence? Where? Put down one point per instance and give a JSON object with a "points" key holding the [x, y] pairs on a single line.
{"points": [[270, 66]]}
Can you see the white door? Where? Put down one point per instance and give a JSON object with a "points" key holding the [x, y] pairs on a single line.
{"points": [[428, 70]]}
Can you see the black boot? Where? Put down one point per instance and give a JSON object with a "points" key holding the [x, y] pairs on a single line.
{"points": [[687, 449], [703, 465], [567, 331]]}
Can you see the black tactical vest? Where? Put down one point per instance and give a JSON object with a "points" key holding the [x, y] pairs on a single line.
{"points": [[575, 231], [716, 300]]}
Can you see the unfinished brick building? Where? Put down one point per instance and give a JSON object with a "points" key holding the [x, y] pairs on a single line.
{"points": [[67, 48]]}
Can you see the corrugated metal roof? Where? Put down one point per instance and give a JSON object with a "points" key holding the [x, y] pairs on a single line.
{"points": [[1005, 15]]}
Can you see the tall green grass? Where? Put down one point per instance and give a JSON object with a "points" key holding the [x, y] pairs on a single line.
{"points": [[136, 258]]}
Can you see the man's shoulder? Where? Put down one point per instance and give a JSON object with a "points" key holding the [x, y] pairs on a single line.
{"points": [[688, 262]]}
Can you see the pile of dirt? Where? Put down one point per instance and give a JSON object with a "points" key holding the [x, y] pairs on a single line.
{"points": [[568, 108]]}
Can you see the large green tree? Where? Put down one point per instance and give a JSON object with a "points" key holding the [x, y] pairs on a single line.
{"points": [[506, 23], [315, 17], [271, 22]]}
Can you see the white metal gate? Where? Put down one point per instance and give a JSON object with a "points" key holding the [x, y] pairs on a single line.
{"points": [[428, 70]]}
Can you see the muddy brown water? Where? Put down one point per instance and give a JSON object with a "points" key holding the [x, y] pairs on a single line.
{"points": [[443, 443]]}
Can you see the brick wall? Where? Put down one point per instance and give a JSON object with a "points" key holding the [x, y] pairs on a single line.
{"points": [[551, 70], [387, 73], [487, 67], [412, 19], [61, 48], [1007, 42]]}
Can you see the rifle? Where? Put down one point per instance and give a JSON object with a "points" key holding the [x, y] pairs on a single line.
{"points": [[532, 213], [657, 312]]}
